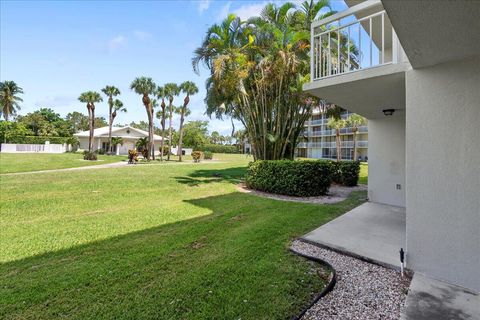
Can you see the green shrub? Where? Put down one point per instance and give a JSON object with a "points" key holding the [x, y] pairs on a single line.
{"points": [[165, 150], [100, 151], [294, 178], [89, 155], [346, 172], [38, 139], [197, 156], [218, 148], [207, 155]]}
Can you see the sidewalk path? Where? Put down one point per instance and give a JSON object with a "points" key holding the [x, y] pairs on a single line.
{"points": [[109, 165]]}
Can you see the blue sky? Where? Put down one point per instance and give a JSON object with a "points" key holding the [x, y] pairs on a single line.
{"points": [[57, 49]]}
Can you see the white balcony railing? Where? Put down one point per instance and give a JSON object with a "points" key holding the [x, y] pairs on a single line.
{"points": [[345, 144], [358, 38]]}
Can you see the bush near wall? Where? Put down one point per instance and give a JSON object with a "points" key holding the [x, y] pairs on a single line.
{"points": [[207, 155], [293, 178], [218, 148], [346, 172], [38, 139]]}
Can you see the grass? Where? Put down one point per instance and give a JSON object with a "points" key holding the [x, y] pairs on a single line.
{"points": [[14, 162], [363, 176], [162, 241]]}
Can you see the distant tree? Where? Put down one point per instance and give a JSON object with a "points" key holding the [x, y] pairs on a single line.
{"points": [[9, 99], [195, 134], [110, 92], [100, 122], [188, 88], [90, 98], [77, 122], [9, 129], [337, 124], [171, 91], [215, 137], [240, 136], [142, 125], [354, 121], [146, 87]]}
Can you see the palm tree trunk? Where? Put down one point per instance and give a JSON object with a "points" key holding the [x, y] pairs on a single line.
{"points": [[170, 130], [180, 135], [92, 125], [354, 145], [162, 124], [339, 147], [110, 122]]}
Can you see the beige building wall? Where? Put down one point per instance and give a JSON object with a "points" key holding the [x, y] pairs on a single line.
{"points": [[386, 159], [443, 171]]}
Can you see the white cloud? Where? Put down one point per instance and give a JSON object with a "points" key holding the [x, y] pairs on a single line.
{"points": [[247, 11], [142, 35], [244, 12], [117, 42], [224, 11], [203, 5]]}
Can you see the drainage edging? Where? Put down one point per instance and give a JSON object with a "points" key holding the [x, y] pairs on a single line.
{"points": [[328, 287]]}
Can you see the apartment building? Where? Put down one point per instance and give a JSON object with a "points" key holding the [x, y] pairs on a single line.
{"points": [[319, 141], [412, 68]]}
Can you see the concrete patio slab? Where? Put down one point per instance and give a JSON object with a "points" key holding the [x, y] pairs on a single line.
{"points": [[371, 231], [433, 299]]}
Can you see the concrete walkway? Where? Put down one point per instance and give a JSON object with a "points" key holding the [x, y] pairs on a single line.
{"points": [[371, 231], [112, 165], [432, 299]]}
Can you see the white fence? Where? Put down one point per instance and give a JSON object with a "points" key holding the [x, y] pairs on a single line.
{"points": [[32, 148]]}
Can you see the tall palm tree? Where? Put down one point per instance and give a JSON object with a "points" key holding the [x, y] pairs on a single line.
{"points": [[161, 94], [188, 88], [171, 90], [110, 92], [337, 124], [146, 87], [354, 121], [90, 98], [9, 99]]}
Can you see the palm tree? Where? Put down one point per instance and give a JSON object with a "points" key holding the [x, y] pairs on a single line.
{"points": [[188, 88], [337, 124], [116, 141], [171, 90], [9, 99], [90, 98], [354, 121], [161, 94], [110, 92], [146, 87]]}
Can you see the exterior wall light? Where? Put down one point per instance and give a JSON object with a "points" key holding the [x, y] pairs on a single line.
{"points": [[388, 112]]}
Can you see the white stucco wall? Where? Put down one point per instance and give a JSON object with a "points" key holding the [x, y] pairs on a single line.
{"points": [[386, 159], [443, 171]]}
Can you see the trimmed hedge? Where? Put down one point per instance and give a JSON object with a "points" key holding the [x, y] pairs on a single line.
{"points": [[346, 172], [293, 178], [218, 148], [207, 155], [39, 139]]}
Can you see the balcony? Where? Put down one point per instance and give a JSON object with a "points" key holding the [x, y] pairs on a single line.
{"points": [[345, 144], [357, 62]]}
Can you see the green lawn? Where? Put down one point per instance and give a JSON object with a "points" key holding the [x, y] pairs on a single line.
{"points": [[173, 241], [14, 162], [363, 177]]}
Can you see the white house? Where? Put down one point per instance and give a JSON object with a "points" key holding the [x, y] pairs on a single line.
{"points": [[129, 135], [416, 78]]}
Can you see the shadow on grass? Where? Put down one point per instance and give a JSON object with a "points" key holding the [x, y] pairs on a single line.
{"points": [[232, 262], [197, 177]]}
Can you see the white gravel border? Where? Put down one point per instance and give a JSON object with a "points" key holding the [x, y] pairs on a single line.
{"points": [[336, 193], [362, 290]]}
